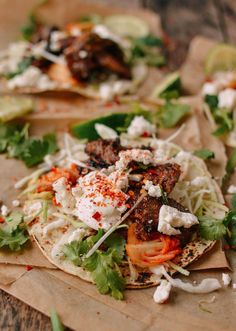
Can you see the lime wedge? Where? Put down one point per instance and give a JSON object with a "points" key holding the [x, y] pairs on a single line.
{"points": [[170, 83], [221, 58], [127, 26], [13, 107]]}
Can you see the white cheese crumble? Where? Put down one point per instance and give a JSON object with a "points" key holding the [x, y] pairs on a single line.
{"points": [[210, 89], [109, 90], [138, 155], [153, 190], [170, 217], [99, 202], [232, 189], [234, 286], [55, 38], [15, 203], [105, 132], [4, 210], [63, 194], [139, 126], [162, 291], [226, 279], [31, 77], [227, 98]]}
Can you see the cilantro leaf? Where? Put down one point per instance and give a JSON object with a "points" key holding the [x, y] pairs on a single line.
{"points": [[170, 114], [117, 242], [230, 166], [148, 49], [16, 142], [14, 220], [29, 29], [14, 240], [55, 321], [210, 228], [212, 101], [21, 67], [103, 265], [230, 223], [105, 272], [204, 154], [233, 201]]}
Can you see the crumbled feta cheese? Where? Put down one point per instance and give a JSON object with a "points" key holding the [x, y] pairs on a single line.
{"points": [[63, 194], [53, 225], [226, 279], [162, 291], [109, 90], [234, 286], [139, 126], [99, 203], [55, 38], [105, 132], [227, 98], [83, 54], [210, 89], [153, 190], [232, 189], [31, 77], [138, 155], [4, 210], [170, 217], [15, 203]]}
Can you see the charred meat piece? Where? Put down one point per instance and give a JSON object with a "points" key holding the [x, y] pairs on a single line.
{"points": [[103, 152], [146, 215], [90, 57], [166, 175]]}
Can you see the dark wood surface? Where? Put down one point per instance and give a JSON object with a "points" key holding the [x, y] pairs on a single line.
{"points": [[182, 20]]}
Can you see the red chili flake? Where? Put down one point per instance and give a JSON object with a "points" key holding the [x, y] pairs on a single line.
{"points": [[97, 216], [28, 267], [131, 193], [145, 134], [127, 205], [2, 220], [226, 247], [55, 202], [152, 171]]}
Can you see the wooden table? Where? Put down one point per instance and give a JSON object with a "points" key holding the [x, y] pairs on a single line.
{"points": [[182, 20]]}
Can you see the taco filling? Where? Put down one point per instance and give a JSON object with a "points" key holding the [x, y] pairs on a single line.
{"points": [[83, 56], [111, 210]]}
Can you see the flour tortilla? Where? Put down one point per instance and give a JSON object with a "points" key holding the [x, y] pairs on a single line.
{"points": [[144, 278]]}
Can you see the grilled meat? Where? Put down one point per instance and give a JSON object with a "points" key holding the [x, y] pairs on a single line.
{"points": [[103, 152], [90, 57]]}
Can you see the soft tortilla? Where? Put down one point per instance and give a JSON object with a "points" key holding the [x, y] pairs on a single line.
{"points": [[144, 278]]}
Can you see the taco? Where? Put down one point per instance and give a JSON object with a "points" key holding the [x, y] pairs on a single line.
{"points": [[96, 56], [111, 209]]}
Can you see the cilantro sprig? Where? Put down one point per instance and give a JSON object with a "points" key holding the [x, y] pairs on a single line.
{"points": [[170, 114], [204, 154], [222, 116], [13, 234], [15, 141], [103, 264]]}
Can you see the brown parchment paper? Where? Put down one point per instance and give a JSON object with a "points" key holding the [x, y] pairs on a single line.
{"points": [[192, 71], [82, 308]]}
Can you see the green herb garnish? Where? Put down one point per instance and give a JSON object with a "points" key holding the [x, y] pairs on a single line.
{"points": [[204, 154], [55, 321]]}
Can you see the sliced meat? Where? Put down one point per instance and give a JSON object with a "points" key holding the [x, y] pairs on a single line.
{"points": [[166, 175], [91, 58], [146, 215], [103, 152]]}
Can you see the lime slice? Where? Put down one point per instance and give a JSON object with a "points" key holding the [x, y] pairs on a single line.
{"points": [[221, 58], [86, 130], [170, 83], [13, 107], [127, 26]]}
